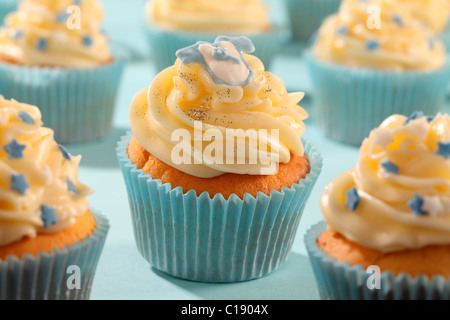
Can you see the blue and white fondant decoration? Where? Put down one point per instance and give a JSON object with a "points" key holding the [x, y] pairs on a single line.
{"points": [[224, 59]]}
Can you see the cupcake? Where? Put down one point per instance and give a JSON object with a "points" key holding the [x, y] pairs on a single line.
{"points": [[7, 6], [306, 16], [176, 24], [216, 172], [50, 241], [386, 233], [369, 63], [54, 55]]}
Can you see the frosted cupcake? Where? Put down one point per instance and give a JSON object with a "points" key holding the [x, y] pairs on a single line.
{"points": [[177, 24], [47, 231], [306, 16], [207, 205], [54, 55], [392, 212], [367, 66]]}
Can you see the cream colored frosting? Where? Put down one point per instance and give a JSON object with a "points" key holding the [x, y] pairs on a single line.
{"points": [[378, 34], [434, 13], [407, 209], [51, 178], [46, 33], [185, 93], [234, 16]]}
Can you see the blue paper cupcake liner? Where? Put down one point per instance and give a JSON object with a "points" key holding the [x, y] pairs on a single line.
{"points": [[164, 44], [46, 277], [78, 104], [306, 16], [213, 240], [340, 281], [350, 102], [6, 7]]}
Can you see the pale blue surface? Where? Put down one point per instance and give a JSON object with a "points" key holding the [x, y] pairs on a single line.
{"points": [[122, 273]]}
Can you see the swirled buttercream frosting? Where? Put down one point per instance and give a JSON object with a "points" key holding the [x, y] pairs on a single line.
{"points": [[378, 34], [235, 16], [62, 33], [398, 195], [215, 96], [40, 191], [433, 13]]}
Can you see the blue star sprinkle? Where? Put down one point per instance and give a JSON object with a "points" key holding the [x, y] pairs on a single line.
{"points": [[88, 41], [342, 30], [414, 116], [416, 205], [42, 44], [352, 199], [62, 17], [398, 20], [26, 117], [443, 150], [77, 2], [48, 216], [390, 167], [65, 152], [19, 183], [372, 45], [72, 187], [14, 149]]}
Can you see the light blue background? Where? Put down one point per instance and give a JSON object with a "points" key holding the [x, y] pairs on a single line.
{"points": [[122, 273]]}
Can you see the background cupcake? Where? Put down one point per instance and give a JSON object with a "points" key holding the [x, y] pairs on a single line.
{"points": [[54, 55], [306, 16], [46, 225], [172, 25], [368, 65], [217, 215], [391, 212]]}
